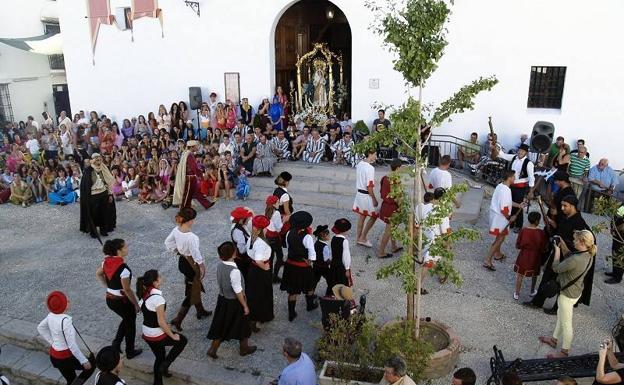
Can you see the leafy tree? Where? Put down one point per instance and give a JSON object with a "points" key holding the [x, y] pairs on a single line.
{"points": [[414, 32]]}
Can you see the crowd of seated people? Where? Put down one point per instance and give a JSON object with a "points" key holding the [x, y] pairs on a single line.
{"points": [[42, 161]]}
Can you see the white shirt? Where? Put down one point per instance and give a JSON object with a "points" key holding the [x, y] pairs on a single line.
{"points": [[97, 378], [61, 339], [346, 252], [276, 222], [285, 197], [239, 238], [151, 304], [226, 147], [66, 142], [33, 146], [83, 121], [517, 167], [185, 244], [235, 278], [66, 121], [364, 176], [261, 250], [440, 178]]}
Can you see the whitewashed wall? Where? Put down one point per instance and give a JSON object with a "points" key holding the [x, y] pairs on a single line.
{"points": [[28, 75], [501, 37]]}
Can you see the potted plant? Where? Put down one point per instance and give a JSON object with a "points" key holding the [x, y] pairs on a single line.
{"points": [[353, 351], [415, 33]]}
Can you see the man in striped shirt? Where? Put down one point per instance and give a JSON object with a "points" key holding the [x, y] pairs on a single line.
{"points": [[280, 146], [343, 150], [315, 148], [579, 163]]}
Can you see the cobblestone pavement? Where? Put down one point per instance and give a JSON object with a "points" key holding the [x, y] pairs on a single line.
{"points": [[43, 250]]}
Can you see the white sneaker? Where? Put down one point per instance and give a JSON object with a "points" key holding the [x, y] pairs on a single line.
{"points": [[516, 296]]}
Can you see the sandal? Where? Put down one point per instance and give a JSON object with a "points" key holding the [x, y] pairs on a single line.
{"points": [[489, 267], [400, 248], [548, 341], [385, 256], [365, 244], [502, 257]]}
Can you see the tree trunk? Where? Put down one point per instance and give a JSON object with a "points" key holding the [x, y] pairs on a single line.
{"points": [[417, 200]]}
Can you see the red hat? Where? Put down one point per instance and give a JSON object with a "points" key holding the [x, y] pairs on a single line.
{"points": [[57, 302], [272, 199], [240, 213], [260, 222]]}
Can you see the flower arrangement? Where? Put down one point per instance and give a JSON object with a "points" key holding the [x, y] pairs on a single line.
{"points": [[312, 114]]}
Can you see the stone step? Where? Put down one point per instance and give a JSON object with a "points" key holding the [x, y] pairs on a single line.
{"points": [[301, 170], [467, 213], [22, 339], [32, 367]]}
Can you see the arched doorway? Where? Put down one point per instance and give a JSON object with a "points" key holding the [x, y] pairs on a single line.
{"points": [[304, 23]]}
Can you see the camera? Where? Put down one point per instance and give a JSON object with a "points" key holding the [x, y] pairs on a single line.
{"points": [[555, 240]]}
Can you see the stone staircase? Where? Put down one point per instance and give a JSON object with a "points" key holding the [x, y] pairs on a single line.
{"points": [[24, 360], [327, 185]]}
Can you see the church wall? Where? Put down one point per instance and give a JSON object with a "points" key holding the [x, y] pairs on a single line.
{"points": [[485, 37]]}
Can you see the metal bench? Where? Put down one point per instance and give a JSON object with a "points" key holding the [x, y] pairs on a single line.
{"points": [[543, 369]]}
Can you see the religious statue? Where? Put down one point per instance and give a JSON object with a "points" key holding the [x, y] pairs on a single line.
{"points": [[320, 89]]}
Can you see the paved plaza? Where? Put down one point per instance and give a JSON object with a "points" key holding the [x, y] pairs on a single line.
{"points": [[42, 250]]}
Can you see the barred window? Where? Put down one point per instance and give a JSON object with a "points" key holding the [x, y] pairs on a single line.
{"points": [[6, 111], [546, 87]]}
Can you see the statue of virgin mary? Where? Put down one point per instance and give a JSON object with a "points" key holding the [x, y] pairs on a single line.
{"points": [[320, 88]]}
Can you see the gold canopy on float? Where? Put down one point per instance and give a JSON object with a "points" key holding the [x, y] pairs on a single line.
{"points": [[316, 68]]}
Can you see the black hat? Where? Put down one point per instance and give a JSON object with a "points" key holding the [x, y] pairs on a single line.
{"points": [[107, 358], [524, 147], [320, 229], [300, 220], [571, 199], [341, 225], [285, 175], [561, 176]]}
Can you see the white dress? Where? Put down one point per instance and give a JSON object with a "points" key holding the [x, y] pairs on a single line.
{"points": [[500, 209], [365, 177]]}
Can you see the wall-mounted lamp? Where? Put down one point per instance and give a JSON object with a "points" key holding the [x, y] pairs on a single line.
{"points": [[329, 13]]}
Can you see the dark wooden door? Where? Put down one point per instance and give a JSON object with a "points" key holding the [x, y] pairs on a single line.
{"points": [[60, 94]]}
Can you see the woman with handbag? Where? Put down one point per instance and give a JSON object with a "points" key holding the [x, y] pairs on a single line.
{"points": [[570, 273], [185, 243], [59, 331]]}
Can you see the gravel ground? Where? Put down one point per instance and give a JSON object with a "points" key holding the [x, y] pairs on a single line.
{"points": [[43, 250]]}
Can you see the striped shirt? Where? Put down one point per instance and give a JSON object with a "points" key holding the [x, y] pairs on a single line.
{"points": [[578, 166]]}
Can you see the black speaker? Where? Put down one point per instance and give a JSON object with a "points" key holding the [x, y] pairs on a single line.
{"points": [[195, 98], [542, 136]]}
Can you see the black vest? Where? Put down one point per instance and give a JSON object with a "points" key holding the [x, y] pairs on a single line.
{"points": [[278, 193], [105, 378], [150, 318], [115, 282], [523, 170], [336, 250], [296, 249], [319, 246]]}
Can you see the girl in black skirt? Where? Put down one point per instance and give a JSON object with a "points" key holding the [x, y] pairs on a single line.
{"points": [[240, 234], [259, 288], [323, 256], [117, 278], [230, 319], [298, 274], [273, 235], [340, 266], [156, 331]]}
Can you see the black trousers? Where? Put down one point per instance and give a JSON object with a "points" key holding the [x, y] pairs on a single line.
{"points": [[158, 348], [517, 195], [277, 254], [618, 271], [68, 367], [548, 274], [127, 328]]}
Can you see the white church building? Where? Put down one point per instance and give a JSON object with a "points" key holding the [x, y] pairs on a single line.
{"points": [[557, 60]]}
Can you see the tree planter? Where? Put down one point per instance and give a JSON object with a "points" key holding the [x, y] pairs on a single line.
{"points": [[330, 374], [445, 344]]}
